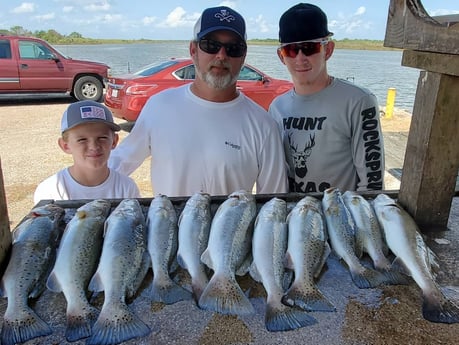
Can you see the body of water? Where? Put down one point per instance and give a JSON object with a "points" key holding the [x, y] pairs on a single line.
{"points": [[376, 70]]}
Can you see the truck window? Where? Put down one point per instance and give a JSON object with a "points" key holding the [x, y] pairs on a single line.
{"points": [[33, 50], [5, 49]]}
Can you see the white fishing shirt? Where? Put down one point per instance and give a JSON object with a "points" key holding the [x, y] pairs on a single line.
{"points": [[197, 145], [332, 138], [62, 186]]}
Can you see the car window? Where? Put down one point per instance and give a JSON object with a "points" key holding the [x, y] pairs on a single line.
{"points": [[33, 50], [5, 49], [185, 72], [249, 74], [154, 68]]}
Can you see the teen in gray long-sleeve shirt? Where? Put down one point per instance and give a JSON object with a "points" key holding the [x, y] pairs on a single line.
{"points": [[330, 127]]}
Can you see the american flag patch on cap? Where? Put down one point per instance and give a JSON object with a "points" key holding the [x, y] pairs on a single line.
{"points": [[92, 112]]}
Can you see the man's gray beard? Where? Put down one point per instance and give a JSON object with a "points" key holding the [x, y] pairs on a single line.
{"points": [[218, 82]]}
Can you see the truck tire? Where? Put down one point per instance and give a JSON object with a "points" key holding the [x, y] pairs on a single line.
{"points": [[88, 88]]}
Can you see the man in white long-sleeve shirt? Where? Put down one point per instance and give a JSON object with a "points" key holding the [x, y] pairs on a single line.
{"points": [[207, 136]]}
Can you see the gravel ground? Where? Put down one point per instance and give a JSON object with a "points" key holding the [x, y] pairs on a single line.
{"points": [[29, 152]]}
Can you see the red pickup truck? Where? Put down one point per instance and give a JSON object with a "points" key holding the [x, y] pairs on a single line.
{"points": [[30, 65]]}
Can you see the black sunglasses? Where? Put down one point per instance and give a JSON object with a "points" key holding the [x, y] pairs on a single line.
{"points": [[234, 50], [308, 48]]}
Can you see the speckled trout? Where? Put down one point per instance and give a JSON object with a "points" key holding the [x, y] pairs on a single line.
{"points": [[269, 245], [77, 258], [193, 236], [307, 252], [123, 265], [34, 245], [406, 242], [229, 253], [369, 238], [341, 231], [162, 225]]}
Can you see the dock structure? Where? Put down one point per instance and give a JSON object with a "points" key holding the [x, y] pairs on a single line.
{"points": [[431, 162]]}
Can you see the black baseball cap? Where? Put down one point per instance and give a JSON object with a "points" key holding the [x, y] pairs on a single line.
{"points": [[303, 22]]}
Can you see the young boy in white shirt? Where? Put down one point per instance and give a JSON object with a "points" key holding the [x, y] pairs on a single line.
{"points": [[88, 134]]}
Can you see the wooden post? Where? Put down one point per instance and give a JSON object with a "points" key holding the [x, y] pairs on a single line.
{"points": [[431, 161], [5, 233]]}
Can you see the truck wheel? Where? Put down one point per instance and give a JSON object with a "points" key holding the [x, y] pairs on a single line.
{"points": [[88, 88]]}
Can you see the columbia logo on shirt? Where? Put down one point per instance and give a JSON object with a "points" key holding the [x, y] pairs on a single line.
{"points": [[233, 146]]}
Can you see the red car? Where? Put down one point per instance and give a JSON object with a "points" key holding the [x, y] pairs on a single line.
{"points": [[126, 95]]}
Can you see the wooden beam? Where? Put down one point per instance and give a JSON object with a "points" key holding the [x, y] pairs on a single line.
{"points": [[5, 233], [434, 62], [432, 154], [409, 26]]}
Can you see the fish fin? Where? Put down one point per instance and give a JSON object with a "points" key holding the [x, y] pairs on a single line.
{"points": [[79, 324], [254, 273], [38, 289], [287, 279], [167, 291], [288, 262], [224, 295], [280, 317], [26, 325], [114, 330], [174, 265], [446, 312], [245, 265], [395, 277], [53, 283], [368, 278], [140, 276], [432, 260], [320, 265], [206, 259], [181, 262], [96, 284], [399, 266], [309, 299]]}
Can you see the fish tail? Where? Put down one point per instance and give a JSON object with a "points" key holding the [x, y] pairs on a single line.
{"points": [[224, 295], [168, 292], [25, 326], [444, 312], [279, 317], [109, 330], [367, 278], [310, 299], [393, 277], [79, 324]]}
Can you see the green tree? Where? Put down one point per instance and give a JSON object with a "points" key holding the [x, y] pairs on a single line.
{"points": [[75, 35], [19, 30]]}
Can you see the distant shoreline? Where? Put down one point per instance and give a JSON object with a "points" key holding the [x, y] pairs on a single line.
{"points": [[354, 44]]}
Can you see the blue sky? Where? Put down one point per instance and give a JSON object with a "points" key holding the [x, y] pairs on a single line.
{"points": [[174, 19]]}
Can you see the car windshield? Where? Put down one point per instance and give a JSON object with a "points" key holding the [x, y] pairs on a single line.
{"points": [[154, 68], [249, 74]]}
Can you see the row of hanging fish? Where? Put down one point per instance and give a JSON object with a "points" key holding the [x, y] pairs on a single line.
{"points": [[112, 252]]}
